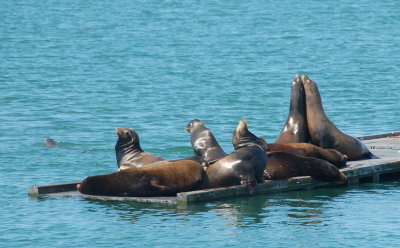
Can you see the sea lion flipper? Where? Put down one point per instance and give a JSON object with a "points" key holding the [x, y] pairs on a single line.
{"points": [[155, 184]]}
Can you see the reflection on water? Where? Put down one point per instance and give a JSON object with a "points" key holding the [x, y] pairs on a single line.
{"points": [[313, 207], [290, 208]]}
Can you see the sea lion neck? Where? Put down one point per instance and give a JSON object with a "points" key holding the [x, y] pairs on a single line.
{"points": [[313, 97]]}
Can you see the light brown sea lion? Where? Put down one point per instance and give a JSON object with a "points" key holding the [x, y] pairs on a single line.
{"points": [[309, 150], [159, 180], [295, 129], [323, 132]]}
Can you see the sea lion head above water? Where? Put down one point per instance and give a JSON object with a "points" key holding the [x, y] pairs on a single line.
{"points": [[49, 143]]}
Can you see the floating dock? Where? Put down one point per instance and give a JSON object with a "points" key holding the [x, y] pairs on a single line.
{"points": [[386, 166]]}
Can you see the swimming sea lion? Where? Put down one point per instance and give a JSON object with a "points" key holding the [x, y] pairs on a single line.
{"points": [[283, 165], [295, 129], [159, 180], [128, 150], [50, 143], [203, 142], [323, 132], [309, 150]]}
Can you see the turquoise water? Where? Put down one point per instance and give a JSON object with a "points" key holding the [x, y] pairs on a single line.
{"points": [[76, 70]]}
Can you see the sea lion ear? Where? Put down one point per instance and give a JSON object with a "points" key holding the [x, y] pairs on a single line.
{"points": [[264, 143]]}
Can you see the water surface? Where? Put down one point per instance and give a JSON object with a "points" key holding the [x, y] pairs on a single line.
{"points": [[74, 71]]}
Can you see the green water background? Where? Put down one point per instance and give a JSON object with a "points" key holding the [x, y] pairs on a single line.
{"points": [[76, 70]]}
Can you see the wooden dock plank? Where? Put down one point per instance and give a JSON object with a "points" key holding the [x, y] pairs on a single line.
{"points": [[385, 146]]}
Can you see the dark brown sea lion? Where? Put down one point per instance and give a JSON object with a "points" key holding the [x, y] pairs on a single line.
{"points": [[245, 140], [128, 150], [324, 133], [159, 180], [283, 165], [244, 166], [295, 129], [309, 150], [203, 142], [130, 154]]}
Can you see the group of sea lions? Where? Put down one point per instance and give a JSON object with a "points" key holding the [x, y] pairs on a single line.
{"points": [[308, 145]]}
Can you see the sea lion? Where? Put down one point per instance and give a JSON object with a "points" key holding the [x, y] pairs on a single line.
{"points": [[295, 129], [323, 132], [309, 150], [50, 143], [128, 151], [203, 142], [130, 154], [244, 166], [159, 180], [244, 140], [283, 165]]}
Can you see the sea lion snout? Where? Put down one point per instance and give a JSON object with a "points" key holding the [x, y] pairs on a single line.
{"points": [[119, 131]]}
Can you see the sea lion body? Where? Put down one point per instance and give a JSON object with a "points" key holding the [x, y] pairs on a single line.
{"points": [[244, 166], [309, 150], [158, 180], [283, 165], [240, 167], [323, 132], [203, 142], [295, 129], [244, 140]]}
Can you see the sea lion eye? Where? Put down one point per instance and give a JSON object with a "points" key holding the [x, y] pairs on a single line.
{"points": [[127, 135]]}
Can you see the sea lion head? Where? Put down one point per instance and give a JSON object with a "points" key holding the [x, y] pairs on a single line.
{"points": [[242, 137], [50, 143], [127, 137], [193, 124]]}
